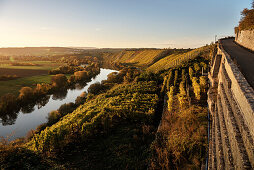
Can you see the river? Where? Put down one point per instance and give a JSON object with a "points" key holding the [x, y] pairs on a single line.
{"points": [[24, 121]]}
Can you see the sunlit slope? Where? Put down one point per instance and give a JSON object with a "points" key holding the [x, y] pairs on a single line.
{"points": [[177, 59], [136, 57], [134, 102]]}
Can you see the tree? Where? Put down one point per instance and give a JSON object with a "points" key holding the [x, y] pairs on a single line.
{"points": [[59, 81], [66, 108], [53, 117], [81, 75], [25, 94]]}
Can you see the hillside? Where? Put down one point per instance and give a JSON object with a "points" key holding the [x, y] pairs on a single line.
{"points": [[140, 57], [117, 125], [177, 59]]}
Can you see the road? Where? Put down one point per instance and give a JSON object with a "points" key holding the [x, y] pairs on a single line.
{"points": [[244, 58]]}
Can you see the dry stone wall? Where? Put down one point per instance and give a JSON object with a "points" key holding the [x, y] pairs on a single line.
{"points": [[246, 39], [231, 105]]}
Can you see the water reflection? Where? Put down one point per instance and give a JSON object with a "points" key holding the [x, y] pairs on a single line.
{"points": [[42, 102], [20, 122], [60, 95], [28, 108], [9, 118]]}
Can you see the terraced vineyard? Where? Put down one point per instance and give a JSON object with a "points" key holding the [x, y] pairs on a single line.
{"points": [[137, 57], [175, 60]]}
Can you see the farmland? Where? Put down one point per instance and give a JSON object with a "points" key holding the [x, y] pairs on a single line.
{"points": [[27, 75], [38, 65], [13, 86]]}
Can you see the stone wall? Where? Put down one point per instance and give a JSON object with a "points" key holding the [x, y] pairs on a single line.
{"points": [[246, 39], [231, 105]]}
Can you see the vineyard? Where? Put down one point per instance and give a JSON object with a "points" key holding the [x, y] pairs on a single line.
{"points": [[181, 139], [135, 119], [134, 102], [175, 60], [141, 58]]}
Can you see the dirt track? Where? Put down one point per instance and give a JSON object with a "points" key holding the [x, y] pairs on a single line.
{"points": [[22, 72]]}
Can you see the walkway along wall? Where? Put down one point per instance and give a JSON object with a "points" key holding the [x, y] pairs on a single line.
{"points": [[231, 105]]}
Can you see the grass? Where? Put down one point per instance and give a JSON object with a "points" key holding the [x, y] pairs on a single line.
{"points": [[13, 86]]}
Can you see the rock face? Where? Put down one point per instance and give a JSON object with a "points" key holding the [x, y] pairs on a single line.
{"points": [[246, 39], [231, 105]]}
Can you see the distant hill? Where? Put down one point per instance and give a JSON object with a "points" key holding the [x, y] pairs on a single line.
{"points": [[37, 51]]}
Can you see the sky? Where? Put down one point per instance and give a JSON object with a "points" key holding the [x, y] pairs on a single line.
{"points": [[117, 23]]}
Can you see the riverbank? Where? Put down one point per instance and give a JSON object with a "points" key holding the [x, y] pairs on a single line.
{"points": [[18, 124]]}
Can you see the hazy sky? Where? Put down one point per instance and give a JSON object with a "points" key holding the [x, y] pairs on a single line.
{"points": [[117, 23]]}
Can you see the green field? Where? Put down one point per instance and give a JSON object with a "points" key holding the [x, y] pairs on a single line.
{"points": [[13, 86], [43, 65]]}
